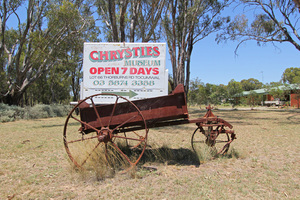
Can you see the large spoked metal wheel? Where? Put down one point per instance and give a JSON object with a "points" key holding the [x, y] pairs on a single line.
{"points": [[114, 134], [210, 140]]}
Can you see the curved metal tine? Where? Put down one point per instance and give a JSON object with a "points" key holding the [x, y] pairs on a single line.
{"points": [[96, 111], [217, 128], [90, 154], [113, 111], [226, 147], [128, 120], [84, 123], [80, 140]]}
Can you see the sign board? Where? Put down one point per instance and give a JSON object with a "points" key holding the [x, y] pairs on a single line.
{"points": [[133, 70]]}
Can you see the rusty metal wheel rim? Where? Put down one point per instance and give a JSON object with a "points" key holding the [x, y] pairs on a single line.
{"points": [[106, 136]]}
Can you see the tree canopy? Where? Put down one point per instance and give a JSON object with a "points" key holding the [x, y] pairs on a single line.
{"points": [[251, 84], [130, 20], [291, 75], [274, 21], [40, 41]]}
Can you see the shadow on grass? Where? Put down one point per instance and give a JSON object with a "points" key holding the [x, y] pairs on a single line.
{"points": [[181, 156], [100, 170]]}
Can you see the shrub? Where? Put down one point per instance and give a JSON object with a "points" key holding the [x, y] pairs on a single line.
{"points": [[12, 113], [45, 111]]}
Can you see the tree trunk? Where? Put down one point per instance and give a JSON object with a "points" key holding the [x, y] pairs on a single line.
{"points": [[122, 19], [135, 11], [112, 16]]}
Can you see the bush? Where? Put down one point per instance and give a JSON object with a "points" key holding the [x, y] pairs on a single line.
{"points": [[12, 113], [45, 111]]}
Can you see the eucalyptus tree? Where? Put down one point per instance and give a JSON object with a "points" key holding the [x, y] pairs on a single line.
{"points": [[234, 89], [251, 84], [130, 20], [186, 23], [33, 46], [198, 93], [291, 75], [274, 22]]}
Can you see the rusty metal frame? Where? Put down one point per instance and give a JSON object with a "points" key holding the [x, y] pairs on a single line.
{"points": [[109, 120]]}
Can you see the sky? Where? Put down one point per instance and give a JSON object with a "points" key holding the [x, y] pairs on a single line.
{"points": [[217, 63]]}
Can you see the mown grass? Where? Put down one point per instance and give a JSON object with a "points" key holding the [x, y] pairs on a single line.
{"points": [[263, 163]]}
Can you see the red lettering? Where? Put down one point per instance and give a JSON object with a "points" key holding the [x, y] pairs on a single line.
{"points": [[136, 51], [124, 70], [128, 53], [100, 69], [121, 53], [133, 70], [107, 70], [93, 70], [149, 50], [113, 55], [105, 54], [92, 55], [115, 70], [156, 49], [155, 71], [141, 71], [142, 51], [148, 70]]}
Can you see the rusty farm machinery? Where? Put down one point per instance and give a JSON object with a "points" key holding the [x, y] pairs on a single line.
{"points": [[90, 127]]}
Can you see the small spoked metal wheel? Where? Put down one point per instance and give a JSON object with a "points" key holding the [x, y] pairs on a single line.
{"points": [[113, 134], [210, 140]]}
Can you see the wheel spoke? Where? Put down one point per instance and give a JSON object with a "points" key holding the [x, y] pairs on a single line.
{"points": [[82, 122], [128, 138], [113, 111], [123, 154], [128, 120], [96, 111], [83, 139], [90, 154]]}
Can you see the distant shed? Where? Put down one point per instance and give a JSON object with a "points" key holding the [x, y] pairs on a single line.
{"points": [[293, 96]]}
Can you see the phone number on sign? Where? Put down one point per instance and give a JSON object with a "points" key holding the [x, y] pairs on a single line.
{"points": [[123, 83]]}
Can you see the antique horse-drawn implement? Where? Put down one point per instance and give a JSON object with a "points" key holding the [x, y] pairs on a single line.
{"points": [[90, 127]]}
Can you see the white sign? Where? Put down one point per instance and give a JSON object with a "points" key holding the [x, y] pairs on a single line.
{"points": [[133, 70]]}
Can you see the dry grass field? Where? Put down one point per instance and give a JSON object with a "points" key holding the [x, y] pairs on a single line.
{"points": [[265, 165]]}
